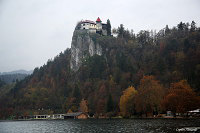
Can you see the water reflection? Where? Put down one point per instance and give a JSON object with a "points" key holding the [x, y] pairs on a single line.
{"points": [[99, 126]]}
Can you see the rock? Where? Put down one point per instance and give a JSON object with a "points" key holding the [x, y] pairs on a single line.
{"points": [[83, 45]]}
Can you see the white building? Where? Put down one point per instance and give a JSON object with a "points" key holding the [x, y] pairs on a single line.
{"points": [[40, 117], [92, 27], [87, 24], [57, 116], [53, 116]]}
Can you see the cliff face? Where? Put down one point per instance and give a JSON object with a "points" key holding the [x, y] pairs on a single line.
{"points": [[82, 46]]}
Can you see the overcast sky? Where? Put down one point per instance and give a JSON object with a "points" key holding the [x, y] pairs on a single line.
{"points": [[33, 31]]}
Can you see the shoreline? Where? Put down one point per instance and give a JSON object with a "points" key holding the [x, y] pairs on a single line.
{"points": [[183, 118]]}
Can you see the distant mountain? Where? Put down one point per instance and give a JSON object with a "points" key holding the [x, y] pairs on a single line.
{"points": [[13, 76], [9, 78], [18, 72]]}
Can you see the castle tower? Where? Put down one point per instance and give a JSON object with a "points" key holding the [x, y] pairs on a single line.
{"points": [[98, 24]]}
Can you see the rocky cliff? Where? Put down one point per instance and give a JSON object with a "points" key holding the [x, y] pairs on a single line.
{"points": [[82, 46]]}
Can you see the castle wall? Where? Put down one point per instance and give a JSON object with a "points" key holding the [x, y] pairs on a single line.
{"points": [[99, 26], [104, 32], [88, 26], [92, 30]]}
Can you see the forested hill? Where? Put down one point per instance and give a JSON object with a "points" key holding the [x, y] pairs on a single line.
{"points": [[171, 55]]}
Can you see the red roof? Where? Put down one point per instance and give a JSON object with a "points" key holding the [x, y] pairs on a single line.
{"points": [[98, 20], [87, 21]]}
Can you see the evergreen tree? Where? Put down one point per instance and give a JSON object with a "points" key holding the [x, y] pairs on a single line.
{"points": [[167, 30], [2, 83], [108, 28], [110, 104], [193, 26], [76, 92], [180, 26], [121, 31]]}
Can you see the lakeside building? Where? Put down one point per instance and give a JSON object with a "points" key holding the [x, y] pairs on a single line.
{"points": [[41, 117], [75, 115], [57, 116]]}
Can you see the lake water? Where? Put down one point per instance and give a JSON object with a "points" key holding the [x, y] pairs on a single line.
{"points": [[98, 125]]}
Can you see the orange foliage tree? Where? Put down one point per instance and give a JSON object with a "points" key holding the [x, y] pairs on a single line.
{"points": [[181, 98], [150, 95], [83, 106], [126, 103]]}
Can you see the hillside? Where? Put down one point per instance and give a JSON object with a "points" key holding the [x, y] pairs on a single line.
{"points": [[169, 56]]}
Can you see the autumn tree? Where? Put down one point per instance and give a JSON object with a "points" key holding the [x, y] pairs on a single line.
{"points": [[100, 99], [181, 98], [126, 104], [70, 104], [84, 106], [69, 111], [150, 95]]}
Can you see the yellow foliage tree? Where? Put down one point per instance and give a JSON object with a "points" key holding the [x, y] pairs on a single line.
{"points": [[69, 111], [126, 103], [83, 106]]}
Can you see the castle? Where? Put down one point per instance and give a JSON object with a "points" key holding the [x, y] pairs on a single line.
{"points": [[93, 27]]}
